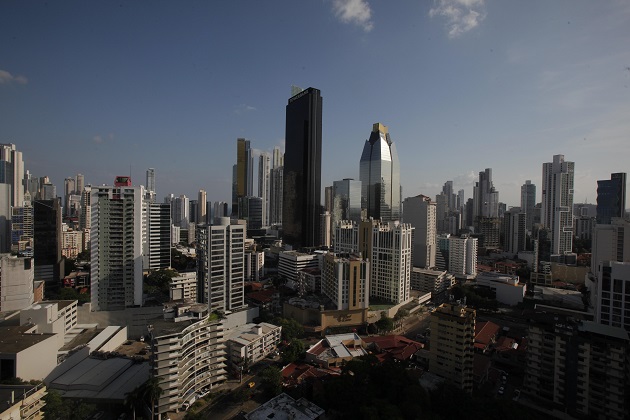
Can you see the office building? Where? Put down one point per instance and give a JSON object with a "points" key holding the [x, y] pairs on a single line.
{"points": [[301, 203], [80, 184], [221, 265], [180, 211], [578, 367], [254, 265], [22, 229], [244, 174], [611, 198], [379, 173], [47, 241], [276, 181], [325, 235], [420, 213], [514, 230], [346, 200], [436, 282], [220, 209], [116, 240], [507, 288], [346, 280], [451, 350], [290, 262], [462, 256], [485, 197], [528, 202], [347, 237], [557, 203], [85, 215], [390, 261]]}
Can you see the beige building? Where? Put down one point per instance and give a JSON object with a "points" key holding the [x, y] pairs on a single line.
{"points": [[184, 286], [346, 280], [22, 402], [252, 342], [54, 317], [188, 353], [436, 282], [451, 351], [16, 282], [27, 354]]}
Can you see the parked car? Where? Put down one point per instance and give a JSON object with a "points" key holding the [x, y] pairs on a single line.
{"points": [[517, 394], [251, 384], [501, 391]]}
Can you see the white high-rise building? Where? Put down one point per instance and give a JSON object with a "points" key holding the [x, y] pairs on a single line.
{"points": [[485, 197], [11, 190], [16, 282], [221, 265], [116, 236], [346, 280], [462, 256], [202, 207], [390, 261], [557, 203], [157, 246], [180, 211], [420, 213], [346, 237]]}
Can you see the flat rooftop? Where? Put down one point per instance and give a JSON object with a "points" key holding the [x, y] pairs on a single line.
{"points": [[17, 339], [283, 407]]}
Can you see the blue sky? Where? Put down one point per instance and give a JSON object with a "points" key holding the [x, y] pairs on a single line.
{"points": [[105, 88]]}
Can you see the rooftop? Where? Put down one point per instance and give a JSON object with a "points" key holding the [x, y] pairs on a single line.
{"points": [[17, 339], [247, 333], [608, 330], [283, 407]]}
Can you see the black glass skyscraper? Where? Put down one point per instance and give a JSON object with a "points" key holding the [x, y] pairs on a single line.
{"points": [[611, 198], [301, 204]]}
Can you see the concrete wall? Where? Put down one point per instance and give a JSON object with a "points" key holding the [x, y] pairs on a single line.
{"points": [[37, 361], [115, 340]]}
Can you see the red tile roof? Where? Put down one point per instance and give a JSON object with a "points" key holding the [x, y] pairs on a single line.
{"points": [[394, 346], [485, 332]]}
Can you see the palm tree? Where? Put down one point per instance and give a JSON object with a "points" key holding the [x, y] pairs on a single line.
{"points": [[132, 399], [152, 391]]}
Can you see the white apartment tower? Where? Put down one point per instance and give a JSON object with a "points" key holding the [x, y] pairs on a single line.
{"points": [[557, 203], [462, 256], [420, 213], [221, 265], [157, 245], [116, 236]]}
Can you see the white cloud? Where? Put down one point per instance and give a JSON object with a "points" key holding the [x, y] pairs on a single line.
{"points": [[461, 15], [7, 78], [243, 108], [357, 12]]}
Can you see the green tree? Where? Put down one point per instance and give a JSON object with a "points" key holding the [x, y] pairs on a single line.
{"points": [[159, 281], [271, 381], [70, 409], [402, 313], [385, 324], [293, 351], [290, 328]]}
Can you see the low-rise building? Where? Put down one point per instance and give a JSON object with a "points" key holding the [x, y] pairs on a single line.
{"points": [[507, 288], [285, 407], [335, 350], [251, 343], [184, 286], [485, 335], [290, 262], [393, 347], [16, 282], [52, 317], [26, 354], [436, 282]]}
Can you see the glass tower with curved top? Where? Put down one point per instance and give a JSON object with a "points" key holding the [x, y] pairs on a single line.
{"points": [[380, 176]]}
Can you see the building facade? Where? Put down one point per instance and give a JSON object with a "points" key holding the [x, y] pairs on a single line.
{"points": [[420, 213], [302, 170], [346, 280], [379, 172], [451, 351], [557, 203], [611, 198]]}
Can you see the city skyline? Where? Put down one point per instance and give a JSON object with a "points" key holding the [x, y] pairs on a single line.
{"points": [[173, 87]]}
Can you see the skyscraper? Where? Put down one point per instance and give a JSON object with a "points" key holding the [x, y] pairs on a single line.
{"points": [[157, 241], [301, 204], [346, 200], [528, 202], [116, 235], [379, 172], [47, 241], [611, 198], [557, 203], [221, 265], [419, 212], [264, 168], [276, 176], [11, 190], [485, 197], [244, 172], [151, 193], [202, 208]]}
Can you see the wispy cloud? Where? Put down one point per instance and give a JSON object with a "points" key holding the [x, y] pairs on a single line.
{"points": [[242, 108], [7, 78], [357, 12], [461, 15], [98, 139]]}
